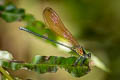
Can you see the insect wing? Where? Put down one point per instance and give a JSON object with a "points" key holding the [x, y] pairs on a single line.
{"points": [[55, 24]]}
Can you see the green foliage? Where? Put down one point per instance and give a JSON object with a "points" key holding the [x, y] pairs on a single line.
{"points": [[44, 64], [10, 13]]}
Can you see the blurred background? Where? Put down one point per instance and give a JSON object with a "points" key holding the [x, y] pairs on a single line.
{"points": [[94, 23]]}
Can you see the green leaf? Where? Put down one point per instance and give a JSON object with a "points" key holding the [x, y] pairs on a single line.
{"points": [[15, 66], [5, 63], [10, 7], [39, 24], [37, 59], [11, 13], [10, 17], [28, 18], [51, 35], [36, 30], [44, 64], [45, 68], [1, 8]]}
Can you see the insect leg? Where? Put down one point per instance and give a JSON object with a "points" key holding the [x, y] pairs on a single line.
{"points": [[82, 60], [78, 59]]}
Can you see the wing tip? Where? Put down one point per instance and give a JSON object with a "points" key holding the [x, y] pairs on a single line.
{"points": [[47, 9]]}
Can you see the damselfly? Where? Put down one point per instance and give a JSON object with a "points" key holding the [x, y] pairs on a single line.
{"points": [[56, 25]]}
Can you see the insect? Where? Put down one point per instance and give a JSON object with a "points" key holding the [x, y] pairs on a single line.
{"points": [[56, 25]]}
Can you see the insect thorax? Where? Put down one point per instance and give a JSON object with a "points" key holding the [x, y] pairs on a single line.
{"points": [[79, 50]]}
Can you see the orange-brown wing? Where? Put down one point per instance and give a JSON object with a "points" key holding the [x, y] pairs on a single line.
{"points": [[55, 24]]}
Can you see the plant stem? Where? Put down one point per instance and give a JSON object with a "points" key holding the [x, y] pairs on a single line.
{"points": [[5, 73]]}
